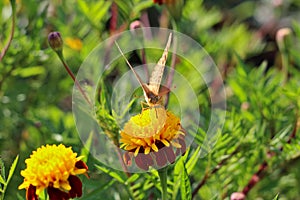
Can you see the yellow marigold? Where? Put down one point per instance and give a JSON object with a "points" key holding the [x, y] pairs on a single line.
{"points": [[74, 43], [152, 134], [55, 168]]}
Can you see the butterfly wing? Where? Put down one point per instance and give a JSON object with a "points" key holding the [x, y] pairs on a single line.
{"points": [[156, 76]]}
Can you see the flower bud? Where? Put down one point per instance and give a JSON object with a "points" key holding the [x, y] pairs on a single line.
{"points": [[237, 196], [136, 24], [135, 28], [55, 41], [283, 39]]}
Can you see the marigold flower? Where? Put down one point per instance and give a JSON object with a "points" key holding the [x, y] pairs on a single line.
{"points": [[53, 168], [152, 136], [74, 43]]}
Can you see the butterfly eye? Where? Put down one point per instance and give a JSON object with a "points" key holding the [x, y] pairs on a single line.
{"points": [[154, 99]]}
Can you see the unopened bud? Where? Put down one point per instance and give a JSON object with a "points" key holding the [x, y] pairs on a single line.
{"points": [[237, 196], [136, 24], [245, 106], [55, 41], [135, 28], [282, 38]]}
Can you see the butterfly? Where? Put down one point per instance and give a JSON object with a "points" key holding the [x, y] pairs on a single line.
{"points": [[152, 93]]}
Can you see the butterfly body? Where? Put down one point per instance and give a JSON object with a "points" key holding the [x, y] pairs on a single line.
{"points": [[152, 99]]}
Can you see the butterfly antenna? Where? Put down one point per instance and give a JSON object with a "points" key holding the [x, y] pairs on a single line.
{"points": [[136, 75]]}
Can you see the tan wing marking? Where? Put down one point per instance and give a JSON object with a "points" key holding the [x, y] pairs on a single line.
{"points": [[156, 76]]}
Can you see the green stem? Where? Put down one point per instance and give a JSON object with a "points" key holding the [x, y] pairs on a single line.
{"points": [[163, 181], [4, 50], [285, 63], [61, 57], [3, 191], [284, 41]]}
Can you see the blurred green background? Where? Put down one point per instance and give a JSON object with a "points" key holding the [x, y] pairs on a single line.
{"points": [[261, 76]]}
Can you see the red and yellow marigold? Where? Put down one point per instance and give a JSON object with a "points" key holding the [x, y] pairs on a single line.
{"points": [[151, 137], [53, 168]]}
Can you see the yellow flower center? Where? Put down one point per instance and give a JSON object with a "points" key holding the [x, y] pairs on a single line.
{"points": [[153, 126], [146, 124], [50, 165]]}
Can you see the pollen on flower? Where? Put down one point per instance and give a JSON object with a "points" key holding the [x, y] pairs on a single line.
{"points": [[153, 130], [51, 166]]}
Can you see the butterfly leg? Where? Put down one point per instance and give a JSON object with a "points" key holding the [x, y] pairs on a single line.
{"points": [[144, 105]]}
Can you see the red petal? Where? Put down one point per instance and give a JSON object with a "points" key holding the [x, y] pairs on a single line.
{"points": [[30, 193], [81, 165], [182, 150], [170, 154], [143, 161], [76, 186], [56, 194], [128, 158], [183, 146], [160, 158], [149, 160]]}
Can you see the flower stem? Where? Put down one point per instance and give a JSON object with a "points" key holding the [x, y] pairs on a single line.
{"points": [[61, 57], [283, 39], [163, 181], [4, 50]]}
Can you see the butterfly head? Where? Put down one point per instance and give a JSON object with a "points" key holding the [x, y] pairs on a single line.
{"points": [[153, 98]]}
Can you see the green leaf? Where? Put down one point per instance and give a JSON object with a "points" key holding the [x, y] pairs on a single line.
{"points": [[241, 67], [276, 197], [2, 171], [86, 150], [296, 28], [2, 181], [185, 185], [12, 168], [133, 178], [177, 177], [113, 174], [238, 90], [141, 6], [29, 71], [98, 191], [94, 12], [193, 160]]}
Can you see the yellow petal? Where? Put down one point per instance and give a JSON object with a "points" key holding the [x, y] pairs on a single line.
{"points": [[147, 150], [137, 151], [165, 142], [175, 144], [154, 147]]}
